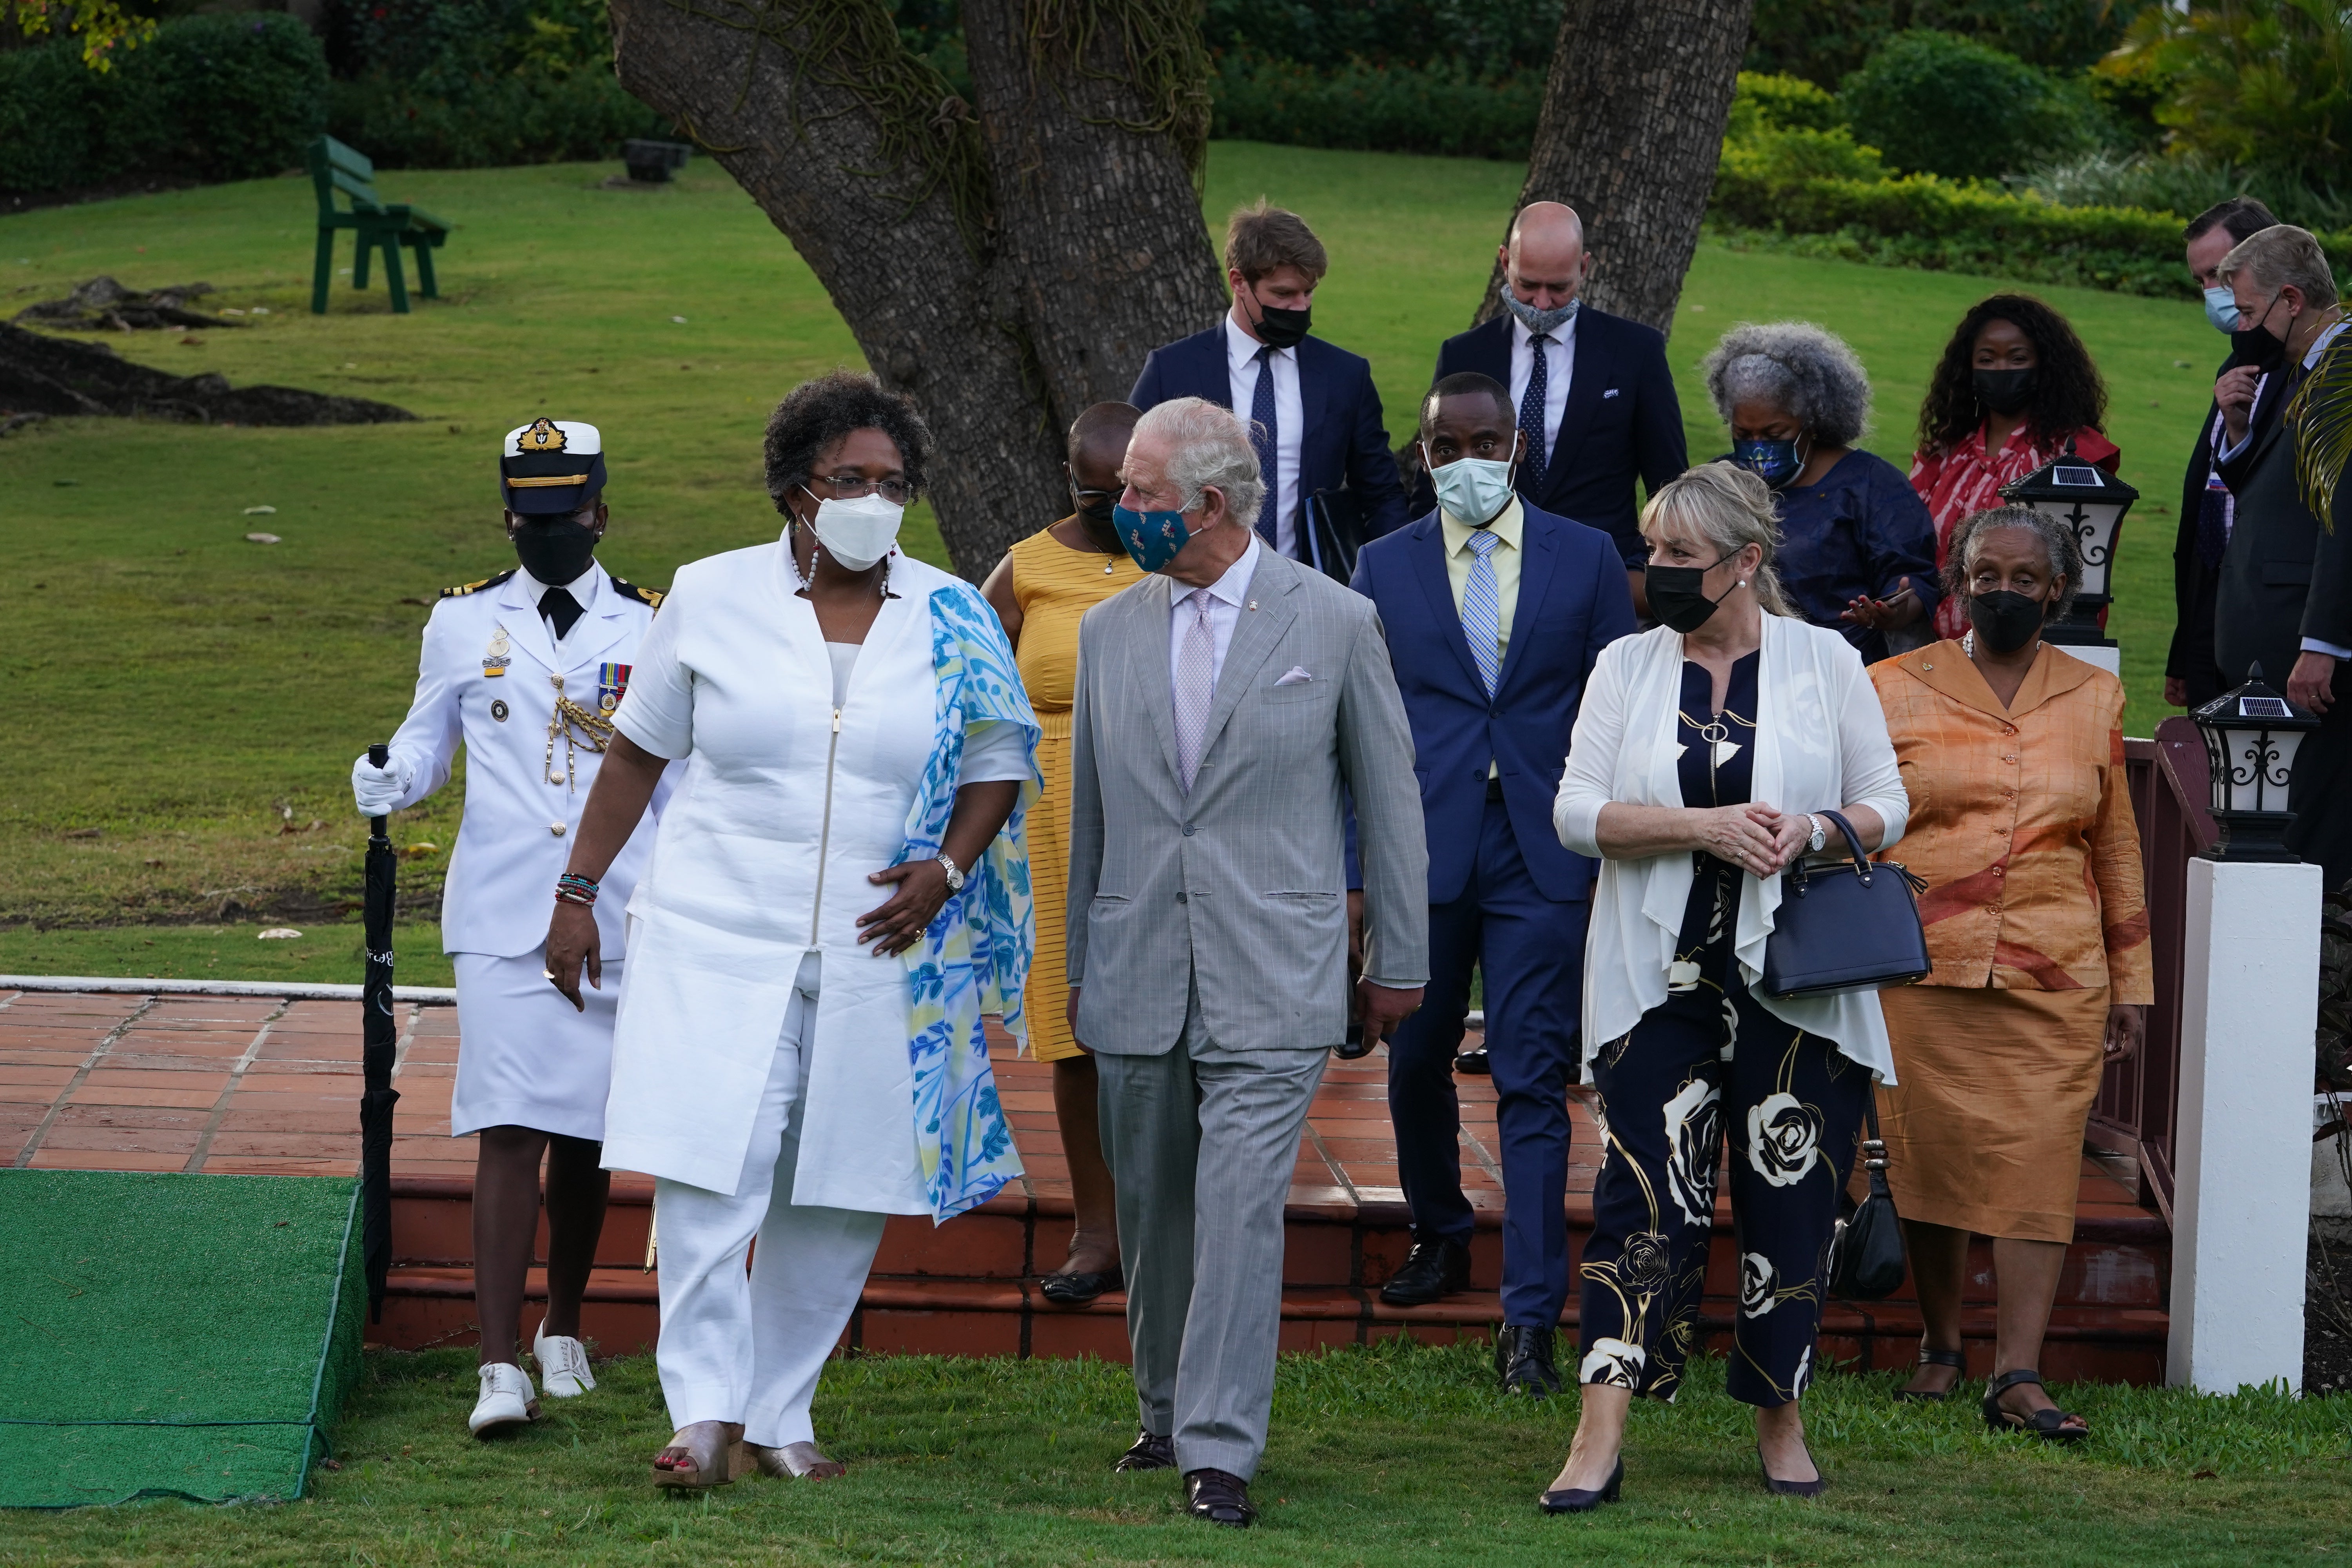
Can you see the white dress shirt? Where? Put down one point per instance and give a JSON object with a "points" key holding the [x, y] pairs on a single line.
{"points": [[1290, 425], [2223, 454], [585, 590], [1225, 597], [1559, 368]]}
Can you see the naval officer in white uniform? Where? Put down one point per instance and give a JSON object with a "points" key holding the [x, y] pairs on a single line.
{"points": [[525, 670]]}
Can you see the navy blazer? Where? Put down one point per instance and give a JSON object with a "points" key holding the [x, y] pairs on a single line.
{"points": [[1573, 601], [1622, 419], [1344, 443]]}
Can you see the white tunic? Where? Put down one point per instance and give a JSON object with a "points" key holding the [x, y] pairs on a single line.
{"points": [[786, 806]]}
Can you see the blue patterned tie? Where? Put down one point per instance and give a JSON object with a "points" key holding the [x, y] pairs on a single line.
{"points": [[1262, 437], [1531, 418], [1482, 609]]}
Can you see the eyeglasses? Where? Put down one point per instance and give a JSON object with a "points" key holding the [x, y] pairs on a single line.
{"points": [[850, 487], [1086, 498]]}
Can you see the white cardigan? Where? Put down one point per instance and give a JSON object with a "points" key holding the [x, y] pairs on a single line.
{"points": [[1820, 740]]}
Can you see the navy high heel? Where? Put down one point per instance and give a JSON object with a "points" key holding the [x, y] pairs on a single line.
{"points": [[1573, 1499]]}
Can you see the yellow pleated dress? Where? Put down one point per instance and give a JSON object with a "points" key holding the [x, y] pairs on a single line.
{"points": [[1054, 586]]}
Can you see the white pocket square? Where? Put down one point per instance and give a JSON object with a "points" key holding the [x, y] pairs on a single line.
{"points": [[1295, 676]]}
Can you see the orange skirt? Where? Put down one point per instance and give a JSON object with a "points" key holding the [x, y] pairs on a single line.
{"points": [[1984, 1122]]}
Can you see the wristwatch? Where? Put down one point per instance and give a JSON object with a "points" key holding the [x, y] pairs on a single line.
{"points": [[955, 877], [1820, 834]]}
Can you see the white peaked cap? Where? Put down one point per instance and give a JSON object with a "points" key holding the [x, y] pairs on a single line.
{"points": [[580, 439]]}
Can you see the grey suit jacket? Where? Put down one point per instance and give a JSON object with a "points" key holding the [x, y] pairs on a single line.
{"points": [[1242, 883], [2284, 577]]}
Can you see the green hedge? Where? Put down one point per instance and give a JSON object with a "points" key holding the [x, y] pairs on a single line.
{"points": [[211, 97], [491, 120], [1443, 107]]}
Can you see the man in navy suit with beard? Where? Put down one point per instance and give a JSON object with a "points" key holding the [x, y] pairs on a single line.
{"points": [[1592, 391], [1495, 612], [1314, 414]]}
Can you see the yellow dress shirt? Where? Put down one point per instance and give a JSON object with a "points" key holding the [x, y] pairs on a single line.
{"points": [[1459, 558]]}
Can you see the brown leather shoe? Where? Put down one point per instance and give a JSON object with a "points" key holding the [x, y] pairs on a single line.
{"points": [[1152, 1452], [1219, 1498]]}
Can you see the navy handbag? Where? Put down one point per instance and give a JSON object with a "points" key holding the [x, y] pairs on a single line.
{"points": [[1849, 925]]}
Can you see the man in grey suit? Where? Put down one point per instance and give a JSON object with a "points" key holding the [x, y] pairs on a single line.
{"points": [[1225, 707]]}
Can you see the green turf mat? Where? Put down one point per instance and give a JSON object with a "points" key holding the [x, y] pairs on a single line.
{"points": [[172, 1335]]}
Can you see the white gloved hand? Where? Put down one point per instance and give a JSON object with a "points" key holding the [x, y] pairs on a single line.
{"points": [[377, 789]]}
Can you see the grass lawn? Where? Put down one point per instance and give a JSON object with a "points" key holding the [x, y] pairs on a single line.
{"points": [[1392, 1455], [328, 953], [183, 704]]}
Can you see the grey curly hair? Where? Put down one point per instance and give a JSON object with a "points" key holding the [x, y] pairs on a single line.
{"points": [[2064, 551], [1208, 447], [1726, 507], [1799, 369]]}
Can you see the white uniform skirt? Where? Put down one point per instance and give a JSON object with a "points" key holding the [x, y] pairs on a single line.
{"points": [[525, 1058]]}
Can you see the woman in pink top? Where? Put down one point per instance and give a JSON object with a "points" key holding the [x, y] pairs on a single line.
{"points": [[2015, 385]]}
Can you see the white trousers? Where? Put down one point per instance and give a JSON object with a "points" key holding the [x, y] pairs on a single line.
{"points": [[748, 1348]]}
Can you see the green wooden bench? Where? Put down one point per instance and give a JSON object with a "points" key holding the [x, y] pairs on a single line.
{"points": [[381, 225]]}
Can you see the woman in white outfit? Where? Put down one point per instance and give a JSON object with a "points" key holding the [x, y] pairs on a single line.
{"points": [[792, 1060]]}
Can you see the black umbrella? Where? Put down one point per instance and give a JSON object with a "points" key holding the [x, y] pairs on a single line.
{"points": [[379, 1042]]}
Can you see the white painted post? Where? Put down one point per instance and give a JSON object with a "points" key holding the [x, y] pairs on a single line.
{"points": [[2242, 1159]]}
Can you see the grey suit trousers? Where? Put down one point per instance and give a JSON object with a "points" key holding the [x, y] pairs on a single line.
{"points": [[1203, 1142]]}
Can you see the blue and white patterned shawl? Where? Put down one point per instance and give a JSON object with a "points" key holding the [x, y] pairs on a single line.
{"points": [[974, 958]]}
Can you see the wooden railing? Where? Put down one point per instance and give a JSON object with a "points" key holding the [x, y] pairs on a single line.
{"points": [[2139, 1100]]}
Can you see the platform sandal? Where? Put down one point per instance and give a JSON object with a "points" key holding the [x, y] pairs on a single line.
{"points": [[2050, 1425], [1930, 1356], [705, 1454]]}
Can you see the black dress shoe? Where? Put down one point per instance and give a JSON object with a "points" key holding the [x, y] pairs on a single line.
{"points": [[1077, 1289], [1780, 1488], [1431, 1270], [1523, 1359], [1573, 1499], [1471, 1063], [1218, 1498], [1151, 1452]]}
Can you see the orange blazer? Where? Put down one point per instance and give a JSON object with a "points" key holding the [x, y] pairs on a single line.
{"points": [[2021, 822]]}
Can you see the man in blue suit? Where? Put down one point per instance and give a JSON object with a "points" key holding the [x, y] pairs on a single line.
{"points": [[1591, 390], [1495, 612], [1314, 417]]}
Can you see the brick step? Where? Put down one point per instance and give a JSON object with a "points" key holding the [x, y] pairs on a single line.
{"points": [[899, 1314]]}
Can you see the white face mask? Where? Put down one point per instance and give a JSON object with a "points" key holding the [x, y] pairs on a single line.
{"points": [[2222, 308], [1474, 490], [857, 534]]}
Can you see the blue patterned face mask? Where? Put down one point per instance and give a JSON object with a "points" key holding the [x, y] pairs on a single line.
{"points": [[1774, 462], [1152, 538]]}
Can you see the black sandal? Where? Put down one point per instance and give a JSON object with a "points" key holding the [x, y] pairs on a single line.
{"points": [[1930, 1356], [2050, 1425]]}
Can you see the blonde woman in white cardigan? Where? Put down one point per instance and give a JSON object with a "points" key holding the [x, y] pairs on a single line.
{"points": [[1704, 749]]}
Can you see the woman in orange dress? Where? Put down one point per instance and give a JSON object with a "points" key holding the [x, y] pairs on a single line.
{"points": [[2015, 385], [1042, 588], [2013, 752]]}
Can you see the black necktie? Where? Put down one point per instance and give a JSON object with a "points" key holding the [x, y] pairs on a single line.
{"points": [[1531, 416], [561, 609]]}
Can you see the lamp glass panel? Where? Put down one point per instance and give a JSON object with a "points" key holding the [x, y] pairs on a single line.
{"points": [[2094, 523], [2262, 762]]}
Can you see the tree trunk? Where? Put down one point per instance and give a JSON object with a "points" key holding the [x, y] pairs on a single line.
{"points": [[1632, 126], [1003, 268]]}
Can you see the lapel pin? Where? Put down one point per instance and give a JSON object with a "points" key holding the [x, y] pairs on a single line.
{"points": [[1253, 604]]}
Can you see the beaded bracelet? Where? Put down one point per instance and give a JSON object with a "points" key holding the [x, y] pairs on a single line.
{"points": [[571, 888]]}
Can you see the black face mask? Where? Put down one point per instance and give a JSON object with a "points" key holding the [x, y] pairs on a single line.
{"points": [[2004, 391], [2254, 346], [555, 551], [1097, 514], [2005, 621], [1281, 329], [1677, 598]]}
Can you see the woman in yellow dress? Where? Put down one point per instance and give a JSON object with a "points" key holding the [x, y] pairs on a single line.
{"points": [[1041, 589]]}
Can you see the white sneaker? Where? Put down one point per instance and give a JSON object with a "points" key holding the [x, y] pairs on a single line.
{"points": [[562, 1364], [507, 1400]]}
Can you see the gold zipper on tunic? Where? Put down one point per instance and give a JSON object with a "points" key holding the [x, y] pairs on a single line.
{"points": [[824, 832]]}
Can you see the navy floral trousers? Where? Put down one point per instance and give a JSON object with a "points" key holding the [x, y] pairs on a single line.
{"points": [[1707, 1062]]}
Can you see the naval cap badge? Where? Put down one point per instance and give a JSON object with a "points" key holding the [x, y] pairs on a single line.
{"points": [[540, 437]]}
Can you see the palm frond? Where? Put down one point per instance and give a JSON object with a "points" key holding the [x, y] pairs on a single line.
{"points": [[2321, 419]]}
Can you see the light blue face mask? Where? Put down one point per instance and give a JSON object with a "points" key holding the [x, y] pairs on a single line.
{"points": [[1471, 489], [2222, 308], [1152, 538]]}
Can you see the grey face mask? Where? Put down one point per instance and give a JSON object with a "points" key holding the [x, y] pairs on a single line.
{"points": [[1537, 322]]}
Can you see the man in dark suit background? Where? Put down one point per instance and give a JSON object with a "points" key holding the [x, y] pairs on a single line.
{"points": [[1495, 612], [1314, 413], [2191, 678], [1591, 390], [2285, 600]]}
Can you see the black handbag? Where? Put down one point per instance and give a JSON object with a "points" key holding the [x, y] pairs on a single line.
{"points": [[1866, 1249], [1849, 925]]}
